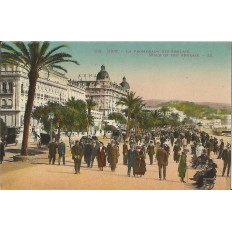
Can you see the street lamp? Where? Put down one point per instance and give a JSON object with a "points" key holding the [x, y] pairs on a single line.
{"points": [[51, 117]]}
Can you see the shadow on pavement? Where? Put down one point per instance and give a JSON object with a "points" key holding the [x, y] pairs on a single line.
{"points": [[31, 152]]}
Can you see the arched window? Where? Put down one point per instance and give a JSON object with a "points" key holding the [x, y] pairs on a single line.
{"points": [[21, 88]]}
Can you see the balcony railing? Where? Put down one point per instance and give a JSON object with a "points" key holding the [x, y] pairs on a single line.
{"points": [[6, 107], [10, 73], [6, 92]]}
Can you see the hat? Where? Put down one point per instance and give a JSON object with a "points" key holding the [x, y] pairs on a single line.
{"points": [[214, 165], [228, 145]]}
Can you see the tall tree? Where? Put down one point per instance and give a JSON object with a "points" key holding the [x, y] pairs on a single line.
{"points": [[81, 109], [156, 116], [33, 57], [129, 101], [41, 113], [137, 111], [117, 117]]}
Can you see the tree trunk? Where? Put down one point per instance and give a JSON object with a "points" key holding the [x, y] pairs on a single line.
{"points": [[128, 125], [136, 127], [33, 76], [87, 128], [58, 133]]}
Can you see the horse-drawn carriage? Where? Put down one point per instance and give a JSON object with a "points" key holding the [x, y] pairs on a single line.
{"points": [[44, 139], [10, 136], [10, 139]]}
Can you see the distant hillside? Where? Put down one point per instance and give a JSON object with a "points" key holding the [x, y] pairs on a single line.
{"points": [[215, 105], [196, 110], [154, 102]]}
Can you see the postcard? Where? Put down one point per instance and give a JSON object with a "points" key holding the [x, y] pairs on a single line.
{"points": [[115, 115]]}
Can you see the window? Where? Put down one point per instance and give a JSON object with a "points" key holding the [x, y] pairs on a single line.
{"points": [[9, 102], [3, 103], [10, 87], [4, 87]]}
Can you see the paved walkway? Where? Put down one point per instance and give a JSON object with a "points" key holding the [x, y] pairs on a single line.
{"points": [[37, 174]]}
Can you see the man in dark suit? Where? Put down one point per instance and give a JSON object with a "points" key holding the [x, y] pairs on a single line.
{"points": [[221, 148], [125, 152], [52, 151], [151, 151], [162, 160], [2, 151], [94, 152], [226, 157], [77, 154]]}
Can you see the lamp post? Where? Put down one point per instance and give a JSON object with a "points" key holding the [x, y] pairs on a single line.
{"points": [[51, 117]]}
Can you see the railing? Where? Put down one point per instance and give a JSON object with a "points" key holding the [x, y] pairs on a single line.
{"points": [[9, 93], [6, 107], [10, 73]]}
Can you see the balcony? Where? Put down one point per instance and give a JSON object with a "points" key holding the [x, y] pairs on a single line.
{"points": [[6, 92], [6, 107], [13, 73]]}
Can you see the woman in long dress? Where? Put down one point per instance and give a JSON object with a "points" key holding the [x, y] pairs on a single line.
{"points": [[182, 166], [140, 165], [101, 154]]}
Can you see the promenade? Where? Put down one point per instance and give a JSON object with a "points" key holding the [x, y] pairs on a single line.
{"points": [[36, 174]]}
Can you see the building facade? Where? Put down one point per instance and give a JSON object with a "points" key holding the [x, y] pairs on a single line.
{"points": [[14, 84], [56, 87], [104, 92]]}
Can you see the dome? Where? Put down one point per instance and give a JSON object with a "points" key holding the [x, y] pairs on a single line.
{"points": [[125, 84], [103, 74]]}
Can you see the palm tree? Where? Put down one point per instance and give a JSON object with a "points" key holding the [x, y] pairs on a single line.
{"points": [[156, 115], [136, 111], [90, 105], [129, 101], [33, 57]]}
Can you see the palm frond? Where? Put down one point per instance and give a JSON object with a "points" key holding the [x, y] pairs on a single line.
{"points": [[22, 47], [59, 61], [43, 50], [59, 67], [53, 50], [12, 50]]}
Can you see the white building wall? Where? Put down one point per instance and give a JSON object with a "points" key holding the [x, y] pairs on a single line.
{"points": [[53, 88]]}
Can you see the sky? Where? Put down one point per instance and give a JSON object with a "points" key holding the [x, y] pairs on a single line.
{"points": [[190, 71]]}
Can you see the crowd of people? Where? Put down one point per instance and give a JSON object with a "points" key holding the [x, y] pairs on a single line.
{"points": [[156, 146]]}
